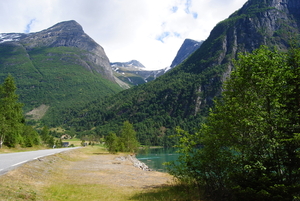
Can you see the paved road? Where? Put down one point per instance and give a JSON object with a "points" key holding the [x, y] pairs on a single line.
{"points": [[12, 160]]}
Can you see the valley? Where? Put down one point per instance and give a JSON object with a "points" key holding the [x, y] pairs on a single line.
{"points": [[230, 104]]}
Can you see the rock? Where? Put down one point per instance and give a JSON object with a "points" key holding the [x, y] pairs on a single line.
{"points": [[188, 47], [134, 161]]}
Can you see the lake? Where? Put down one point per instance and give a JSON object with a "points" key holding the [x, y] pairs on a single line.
{"points": [[155, 157]]}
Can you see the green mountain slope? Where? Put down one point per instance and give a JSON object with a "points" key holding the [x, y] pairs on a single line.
{"points": [[55, 72], [183, 95]]}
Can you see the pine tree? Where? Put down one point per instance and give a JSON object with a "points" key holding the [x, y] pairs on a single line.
{"points": [[11, 114]]}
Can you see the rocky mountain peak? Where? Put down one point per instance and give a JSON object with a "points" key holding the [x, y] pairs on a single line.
{"points": [[129, 64], [67, 34], [287, 6], [67, 26], [187, 48]]}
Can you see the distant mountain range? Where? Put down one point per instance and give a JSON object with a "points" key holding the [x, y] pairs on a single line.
{"points": [[134, 73], [182, 96]]}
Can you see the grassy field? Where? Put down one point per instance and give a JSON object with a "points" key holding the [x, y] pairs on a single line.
{"points": [[66, 176]]}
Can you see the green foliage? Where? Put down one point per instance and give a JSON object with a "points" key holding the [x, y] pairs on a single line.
{"points": [[30, 137], [46, 137], [126, 142], [250, 141], [11, 114], [128, 138], [13, 130], [154, 110], [112, 143], [45, 133]]}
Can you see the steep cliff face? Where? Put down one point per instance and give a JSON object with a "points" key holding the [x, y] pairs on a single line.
{"points": [[274, 23]]}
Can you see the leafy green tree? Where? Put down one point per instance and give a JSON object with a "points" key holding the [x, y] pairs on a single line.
{"points": [[46, 137], [11, 114], [58, 143], [251, 138], [112, 143], [45, 134], [50, 141], [30, 137], [128, 137]]}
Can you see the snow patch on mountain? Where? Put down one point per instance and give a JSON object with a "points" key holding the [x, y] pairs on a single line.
{"points": [[8, 37]]}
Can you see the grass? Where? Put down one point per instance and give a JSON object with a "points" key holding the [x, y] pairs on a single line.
{"points": [[169, 193], [5, 149], [53, 179], [76, 142], [65, 191]]}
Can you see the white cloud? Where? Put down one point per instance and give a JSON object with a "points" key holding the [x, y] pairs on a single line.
{"points": [[150, 31]]}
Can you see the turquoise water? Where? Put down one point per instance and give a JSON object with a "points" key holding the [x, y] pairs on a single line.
{"points": [[154, 158]]}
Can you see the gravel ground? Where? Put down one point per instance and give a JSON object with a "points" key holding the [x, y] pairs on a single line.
{"points": [[75, 167]]}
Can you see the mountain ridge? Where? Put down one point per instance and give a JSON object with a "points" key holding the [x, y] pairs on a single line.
{"points": [[60, 67]]}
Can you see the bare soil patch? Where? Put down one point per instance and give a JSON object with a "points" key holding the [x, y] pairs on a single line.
{"points": [[105, 169], [38, 113]]}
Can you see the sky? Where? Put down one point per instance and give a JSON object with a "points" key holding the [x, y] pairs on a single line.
{"points": [[150, 31]]}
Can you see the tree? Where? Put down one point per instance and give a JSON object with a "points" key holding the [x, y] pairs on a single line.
{"points": [[45, 134], [30, 137], [128, 137], [46, 137], [252, 135], [112, 143], [11, 114]]}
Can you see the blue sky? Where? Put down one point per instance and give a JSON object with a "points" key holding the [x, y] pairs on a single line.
{"points": [[150, 31]]}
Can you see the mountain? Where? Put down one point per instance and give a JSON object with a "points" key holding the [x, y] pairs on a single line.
{"points": [[134, 73], [130, 64], [183, 95], [188, 47], [60, 67]]}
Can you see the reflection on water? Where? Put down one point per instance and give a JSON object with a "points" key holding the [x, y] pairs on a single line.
{"points": [[154, 158]]}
